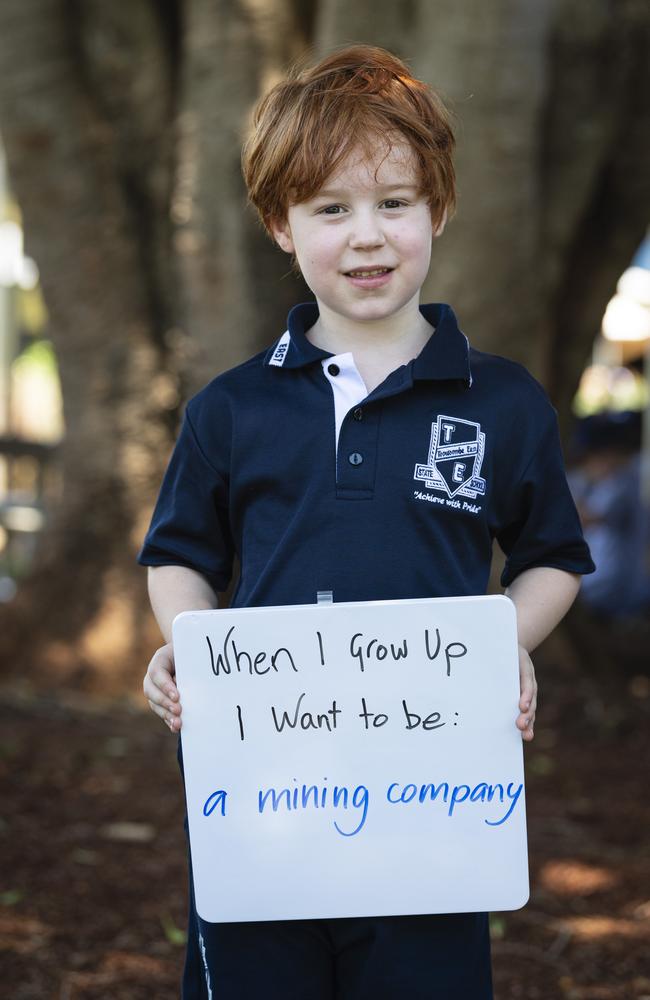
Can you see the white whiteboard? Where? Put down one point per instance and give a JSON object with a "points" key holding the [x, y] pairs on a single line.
{"points": [[312, 791]]}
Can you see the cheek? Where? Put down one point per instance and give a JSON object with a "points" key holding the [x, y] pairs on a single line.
{"points": [[322, 252], [415, 235], [415, 244]]}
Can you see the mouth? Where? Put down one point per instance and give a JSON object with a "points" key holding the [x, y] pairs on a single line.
{"points": [[368, 272]]}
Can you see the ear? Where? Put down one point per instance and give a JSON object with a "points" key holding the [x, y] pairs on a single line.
{"points": [[441, 225], [282, 234]]}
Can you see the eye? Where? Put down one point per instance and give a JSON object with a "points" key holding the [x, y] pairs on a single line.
{"points": [[331, 210], [394, 203]]}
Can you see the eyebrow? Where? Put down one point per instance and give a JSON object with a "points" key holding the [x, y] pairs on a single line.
{"points": [[335, 192]]}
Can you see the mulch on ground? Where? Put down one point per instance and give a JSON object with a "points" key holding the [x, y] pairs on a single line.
{"points": [[92, 899]]}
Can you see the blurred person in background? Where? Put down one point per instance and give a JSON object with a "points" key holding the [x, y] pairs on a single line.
{"points": [[605, 480]]}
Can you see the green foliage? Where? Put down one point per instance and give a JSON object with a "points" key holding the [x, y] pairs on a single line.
{"points": [[39, 356], [175, 935]]}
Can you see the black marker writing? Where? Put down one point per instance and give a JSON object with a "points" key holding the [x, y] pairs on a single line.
{"points": [[379, 719], [453, 650], [363, 650], [413, 720], [306, 720], [234, 660]]}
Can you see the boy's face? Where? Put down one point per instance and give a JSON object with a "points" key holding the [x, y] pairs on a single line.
{"points": [[363, 242]]}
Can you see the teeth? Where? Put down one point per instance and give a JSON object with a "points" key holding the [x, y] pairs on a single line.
{"points": [[368, 274]]}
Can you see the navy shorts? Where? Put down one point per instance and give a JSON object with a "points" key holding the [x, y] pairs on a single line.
{"points": [[439, 957]]}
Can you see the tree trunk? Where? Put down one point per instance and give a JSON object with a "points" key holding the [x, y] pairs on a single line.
{"points": [[554, 191], [384, 22], [85, 109], [489, 61], [231, 272], [122, 129], [596, 185]]}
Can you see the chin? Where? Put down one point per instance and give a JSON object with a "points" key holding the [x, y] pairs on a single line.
{"points": [[375, 311]]}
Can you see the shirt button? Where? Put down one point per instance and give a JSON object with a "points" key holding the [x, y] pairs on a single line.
{"points": [[358, 413], [333, 369], [355, 458]]}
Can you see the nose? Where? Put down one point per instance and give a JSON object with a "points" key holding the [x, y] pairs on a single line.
{"points": [[367, 232]]}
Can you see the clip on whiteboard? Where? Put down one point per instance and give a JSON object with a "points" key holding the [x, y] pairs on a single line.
{"points": [[324, 597]]}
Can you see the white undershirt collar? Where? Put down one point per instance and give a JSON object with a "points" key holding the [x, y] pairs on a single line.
{"points": [[348, 387]]}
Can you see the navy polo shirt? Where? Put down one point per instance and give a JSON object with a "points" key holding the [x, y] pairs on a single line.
{"points": [[452, 450]]}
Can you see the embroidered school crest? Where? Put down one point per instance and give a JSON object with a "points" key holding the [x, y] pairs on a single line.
{"points": [[455, 458]]}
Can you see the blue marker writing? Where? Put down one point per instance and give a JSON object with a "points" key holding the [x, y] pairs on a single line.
{"points": [[304, 797]]}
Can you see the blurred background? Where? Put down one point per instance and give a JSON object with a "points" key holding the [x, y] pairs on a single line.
{"points": [[131, 271]]}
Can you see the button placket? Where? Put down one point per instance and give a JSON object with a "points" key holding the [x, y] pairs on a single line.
{"points": [[356, 429], [357, 454]]}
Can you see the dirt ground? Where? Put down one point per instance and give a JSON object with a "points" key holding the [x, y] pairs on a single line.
{"points": [[92, 899]]}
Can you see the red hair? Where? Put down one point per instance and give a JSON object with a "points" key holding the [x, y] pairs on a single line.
{"points": [[359, 96]]}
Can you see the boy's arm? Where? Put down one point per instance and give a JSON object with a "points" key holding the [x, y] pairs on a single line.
{"points": [[542, 596], [172, 589]]}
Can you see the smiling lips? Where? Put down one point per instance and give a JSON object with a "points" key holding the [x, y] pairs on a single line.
{"points": [[369, 277], [368, 272]]}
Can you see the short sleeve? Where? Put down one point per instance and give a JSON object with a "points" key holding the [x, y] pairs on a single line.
{"points": [[542, 527], [190, 523]]}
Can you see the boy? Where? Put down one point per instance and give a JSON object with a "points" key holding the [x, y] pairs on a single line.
{"points": [[369, 452]]}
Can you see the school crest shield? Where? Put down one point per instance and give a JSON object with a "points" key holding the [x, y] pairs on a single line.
{"points": [[455, 458]]}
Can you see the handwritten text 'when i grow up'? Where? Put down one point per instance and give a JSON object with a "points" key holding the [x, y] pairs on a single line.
{"points": [[232, 659]]}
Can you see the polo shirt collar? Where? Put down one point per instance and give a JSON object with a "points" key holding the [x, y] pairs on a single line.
{"points": [[446, 353], [293, 350], [444, 356]]}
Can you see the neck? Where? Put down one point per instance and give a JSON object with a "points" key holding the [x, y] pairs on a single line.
{"points": [[378, 346], [399, 337]]}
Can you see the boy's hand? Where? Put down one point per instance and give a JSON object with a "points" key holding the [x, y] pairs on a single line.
{"points": [[528, 697], [160, 688]]}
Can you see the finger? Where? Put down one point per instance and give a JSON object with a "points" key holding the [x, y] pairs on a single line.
{"points": [[173, 723], [528, 700], [161, 673], [526, 720], [527, 705], [159, 703], [527, 686], [161, 695], [158, 687]]}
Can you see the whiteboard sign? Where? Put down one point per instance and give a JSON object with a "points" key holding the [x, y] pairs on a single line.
{"points": [[353, 759]]}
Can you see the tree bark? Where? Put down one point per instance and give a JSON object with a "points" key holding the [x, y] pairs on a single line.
{"points": [[231, 271], [489, 61], [84, 107], [384, 22], [596, 182], [554, 191]]}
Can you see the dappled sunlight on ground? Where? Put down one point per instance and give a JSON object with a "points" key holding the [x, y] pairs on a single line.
{"points": [[568, 877], [596, 927]]}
